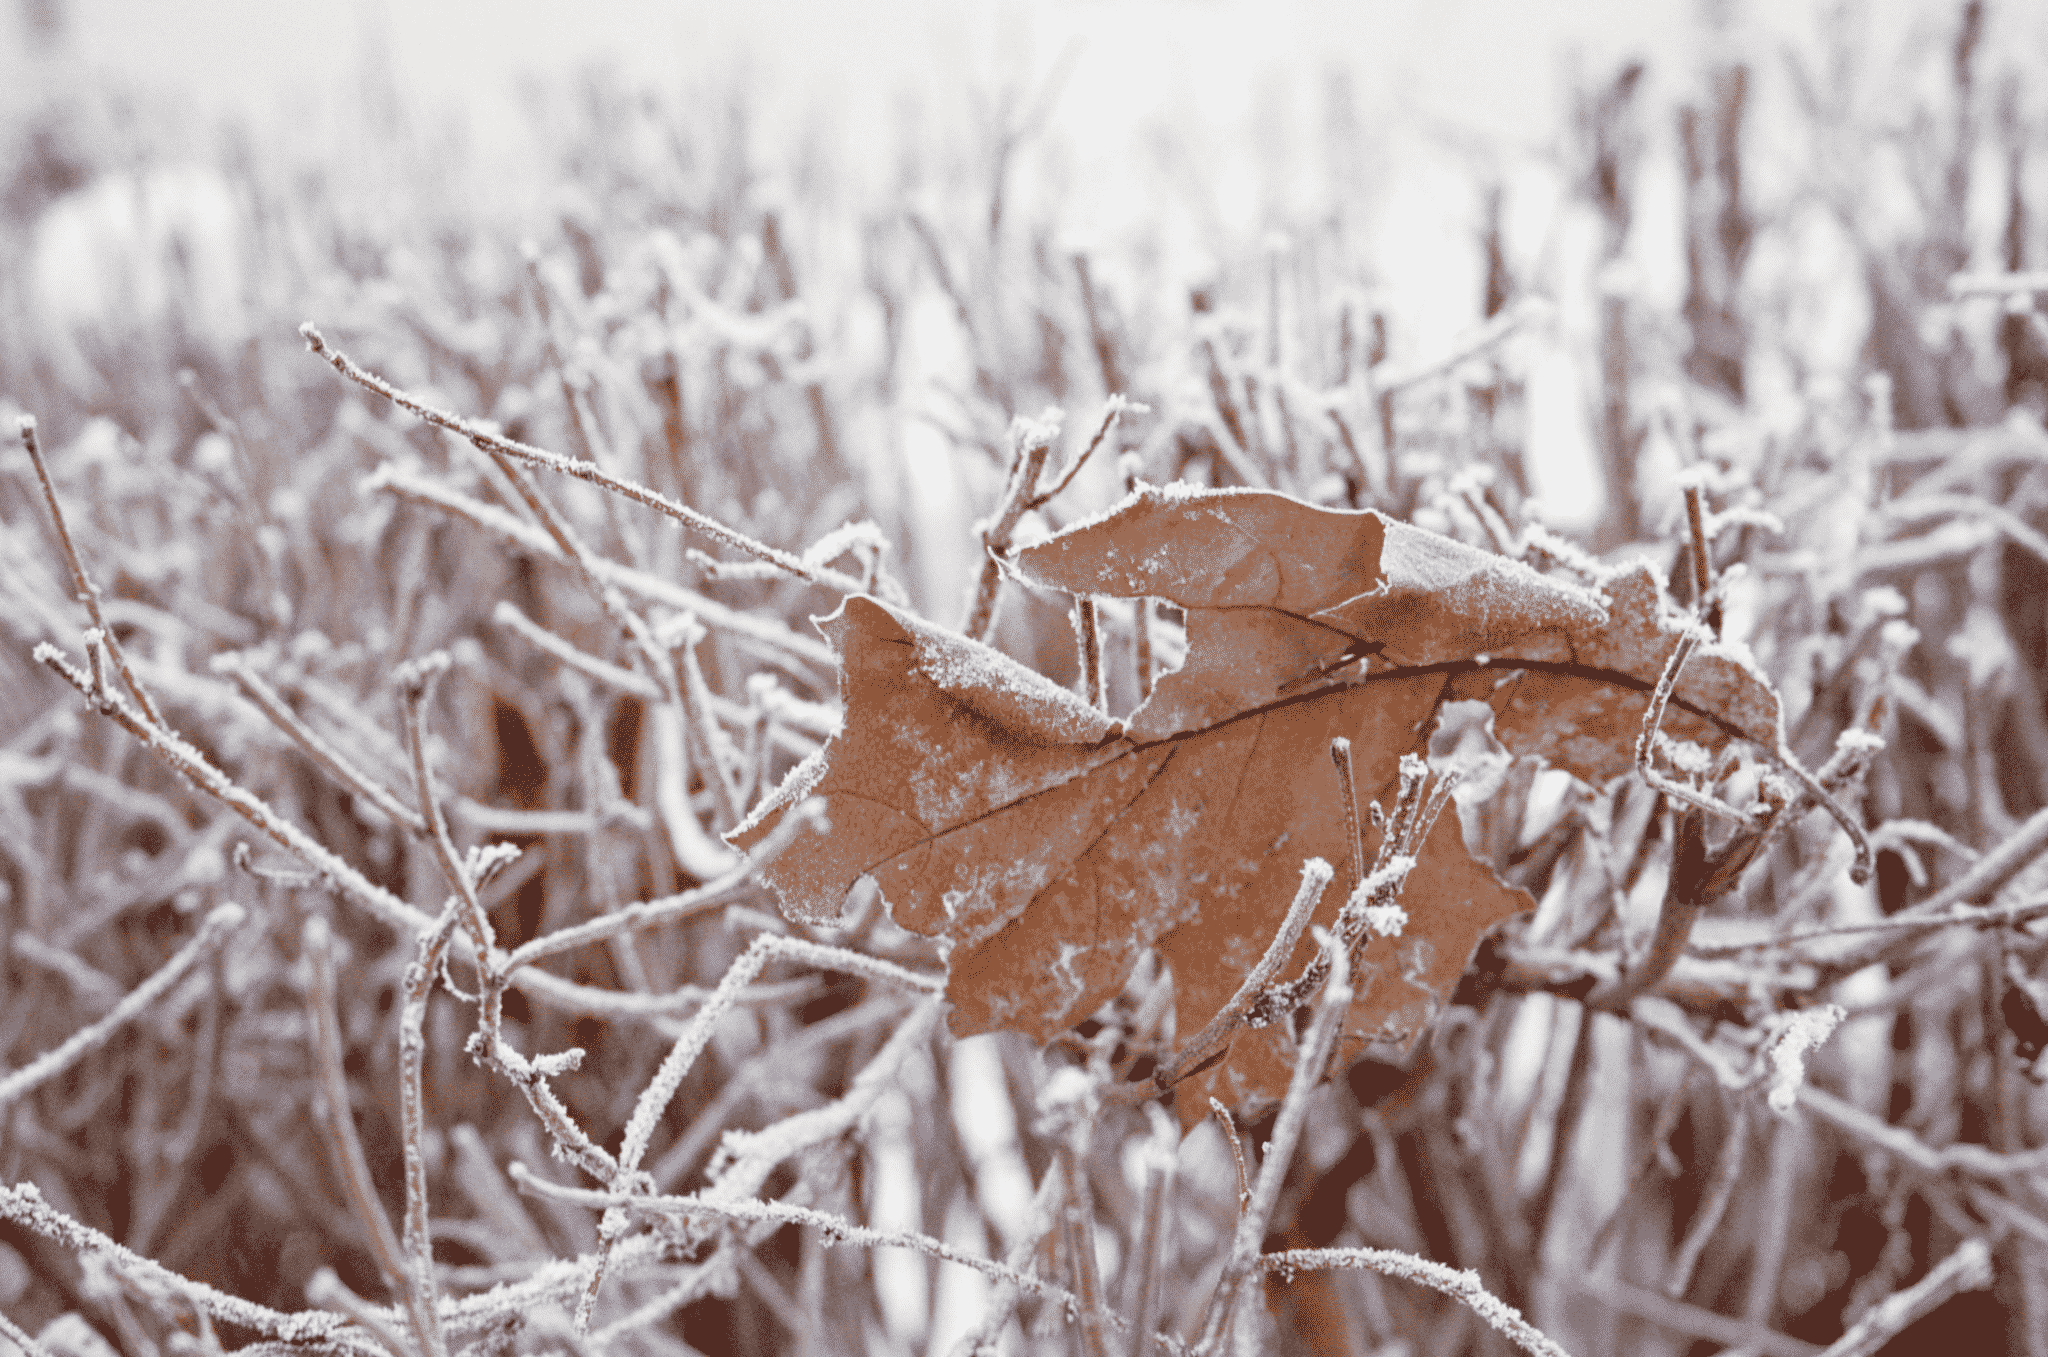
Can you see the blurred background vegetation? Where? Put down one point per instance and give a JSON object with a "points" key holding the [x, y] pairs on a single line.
{"points": [[1455, 262]]}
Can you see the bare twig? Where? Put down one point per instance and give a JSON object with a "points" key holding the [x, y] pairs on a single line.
{"points": [[87, 592], [423, 1300], [332, 1108], [1030, 441], [25, 1206], [18, 1336], [1997, 284], [1727, 1172], [1315, 876], [1690, 1320], [497, 445], [1967, 1269], [1142, 1300], [1079, 1217], [772, 637], [326, 1289], [324, 754], [212, 931], [836, 1229], [1464, 1286], [1113, 411], [1309, 1062], [415, 681], [673, 908], [981, 1339], [1088, 636]]}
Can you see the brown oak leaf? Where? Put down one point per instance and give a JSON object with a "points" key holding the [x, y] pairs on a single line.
{"points": [[1050, 845]]}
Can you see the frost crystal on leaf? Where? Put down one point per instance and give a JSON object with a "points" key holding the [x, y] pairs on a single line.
{"points": [[1053, 846]]}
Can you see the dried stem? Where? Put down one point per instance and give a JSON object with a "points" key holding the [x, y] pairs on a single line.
{"points": [[981, 1339], [1703, 603], [331, 1106], [673, 908], [1143, 1299], [1967, 1269], [423, 1300], [499, 446], [212, 932], [18, 1336], [87, 592], [415, 681], [1463, 1286], [1215, 1034], [1310, 1059], [775, 640], [329, 759], [1113, 411], [1236, 1142], [836, 1229], [1727, 1173], [1031, 442], [1347, 787], [1078, 1213], [1088, 636]]}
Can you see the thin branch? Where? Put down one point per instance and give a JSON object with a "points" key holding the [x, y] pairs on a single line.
{"points": [[1030, 441], [415, 681], [326, 1289], [1315, 877], [1860, 869], [423, 1300], [331, 1107], [1653, 720], [1143, 1298], [1310, 1060], [19, 1336], [584, 560], [719, 757], [654, 1100], [507, 614], [1141, 607], [1088, 636], [212, 932], [1727, 1173], [1347, 786], [1463, 1286], [324, 754], [1389, 380], [1044, 1212], [1702, 561], [1078, 1213], [328, 868], [777, 640], [87, 592], [673, 908], [1113, 411], [195, 768], [836, 1229], [1967, 1269], [1689, 1320], [1909, 1149], [2013, 285], [24, 1205], [496, 444]]}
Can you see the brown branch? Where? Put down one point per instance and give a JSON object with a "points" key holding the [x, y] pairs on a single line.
{"points": [[1031, 442], [87, 592], [1967, 1269], [498, 445]]}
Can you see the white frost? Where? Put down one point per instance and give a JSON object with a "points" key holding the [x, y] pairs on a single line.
{"points": [[1804, 1031]]}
